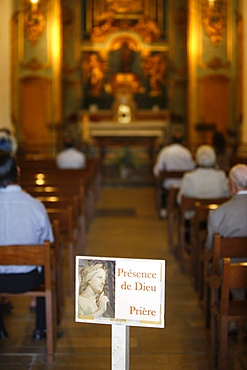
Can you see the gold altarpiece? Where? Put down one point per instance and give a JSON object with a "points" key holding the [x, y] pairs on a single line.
{"points": [[124, 69]]}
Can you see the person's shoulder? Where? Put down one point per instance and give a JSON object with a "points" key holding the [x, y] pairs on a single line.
{"points": [[31, 201], [181, 148], [193, 172], [78, 152], [164, 149], [60, 154], [36, 203], [223, 208], [189, 176], [219, 172]]}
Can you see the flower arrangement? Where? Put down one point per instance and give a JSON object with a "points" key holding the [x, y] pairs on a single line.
{"points": [[127, 162]]}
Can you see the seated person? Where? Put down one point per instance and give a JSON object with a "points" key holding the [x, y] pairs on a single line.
{"points": [[223, 151], [23, 221], [173, 157], [70, 157], [230, 218], [7, 144], [203, 182], [7, 141]]}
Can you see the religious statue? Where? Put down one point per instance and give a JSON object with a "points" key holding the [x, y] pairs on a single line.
{"points": [[155, 68], [94, 69], [35, 24]]}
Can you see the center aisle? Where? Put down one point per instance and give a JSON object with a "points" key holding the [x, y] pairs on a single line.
{"points": [[126, 225]]}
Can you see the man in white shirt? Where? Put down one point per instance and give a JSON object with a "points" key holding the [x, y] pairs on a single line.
{"points": [[70, 157], [173, 157], [24, 220]]}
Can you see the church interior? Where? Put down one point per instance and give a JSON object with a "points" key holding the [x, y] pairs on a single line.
{"points": [[109, 69], [120, 77]]}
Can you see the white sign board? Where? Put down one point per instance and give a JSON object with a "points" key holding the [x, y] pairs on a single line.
{"points": [[120, 291]]}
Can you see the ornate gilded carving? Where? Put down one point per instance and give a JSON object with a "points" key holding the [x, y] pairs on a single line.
{"points": [[33, 65], [155, 67], [148, 29], [145, 27], [34, 26], [126, 83], [34, 20], [214, 18], [217, 63], [124, 6], [94, 69]]}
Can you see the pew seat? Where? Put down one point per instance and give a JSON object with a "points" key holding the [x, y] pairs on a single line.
{"points": [[222, 248], [38, 255], [225, 310], [186, 227]]}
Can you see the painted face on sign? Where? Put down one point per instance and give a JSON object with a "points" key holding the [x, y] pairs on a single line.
{"points": [[97, 283]]}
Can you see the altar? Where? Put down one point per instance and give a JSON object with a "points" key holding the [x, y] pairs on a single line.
{"points": [[148, 130]]}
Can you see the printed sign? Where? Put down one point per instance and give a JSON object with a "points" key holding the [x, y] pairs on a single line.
{"points": [[120, 290]]}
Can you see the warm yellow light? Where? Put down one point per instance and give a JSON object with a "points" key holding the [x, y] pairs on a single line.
{"points": [[40, 179], [34, 1], [40, 176], [40, 182], [213, 206], [52, 199], [211, 2], [48, 189]]}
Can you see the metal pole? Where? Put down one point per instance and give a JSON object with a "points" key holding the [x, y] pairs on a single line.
{"points": [[120, 347]]}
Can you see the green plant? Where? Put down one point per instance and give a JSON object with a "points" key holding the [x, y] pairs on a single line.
{"points": [[127, 159]]}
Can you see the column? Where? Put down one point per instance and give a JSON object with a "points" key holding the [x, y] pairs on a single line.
{"points": [[5, 70], [243, 133]]}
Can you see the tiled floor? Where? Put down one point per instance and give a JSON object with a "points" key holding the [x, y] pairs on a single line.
{"points": [[126, 225]]}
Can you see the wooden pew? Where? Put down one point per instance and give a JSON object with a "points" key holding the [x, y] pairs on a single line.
{"points": [[76, 195], [224, 310], [172, 208], [164, 175], [200, 235], [65, 219], [89, 179], [172, 218], [188, 204], [38, 255], [202, 209], [58, 246], [222, 248], [61, 191]]}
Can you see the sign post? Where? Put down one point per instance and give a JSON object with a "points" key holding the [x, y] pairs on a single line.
{"points": [[121, 292], [120, 347]]}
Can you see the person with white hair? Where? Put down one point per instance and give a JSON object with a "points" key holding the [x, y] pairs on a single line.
{"points": [[205, 181], [230, 220]]}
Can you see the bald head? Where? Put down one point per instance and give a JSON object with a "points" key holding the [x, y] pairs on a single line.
{"points": [[238, 176]]}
